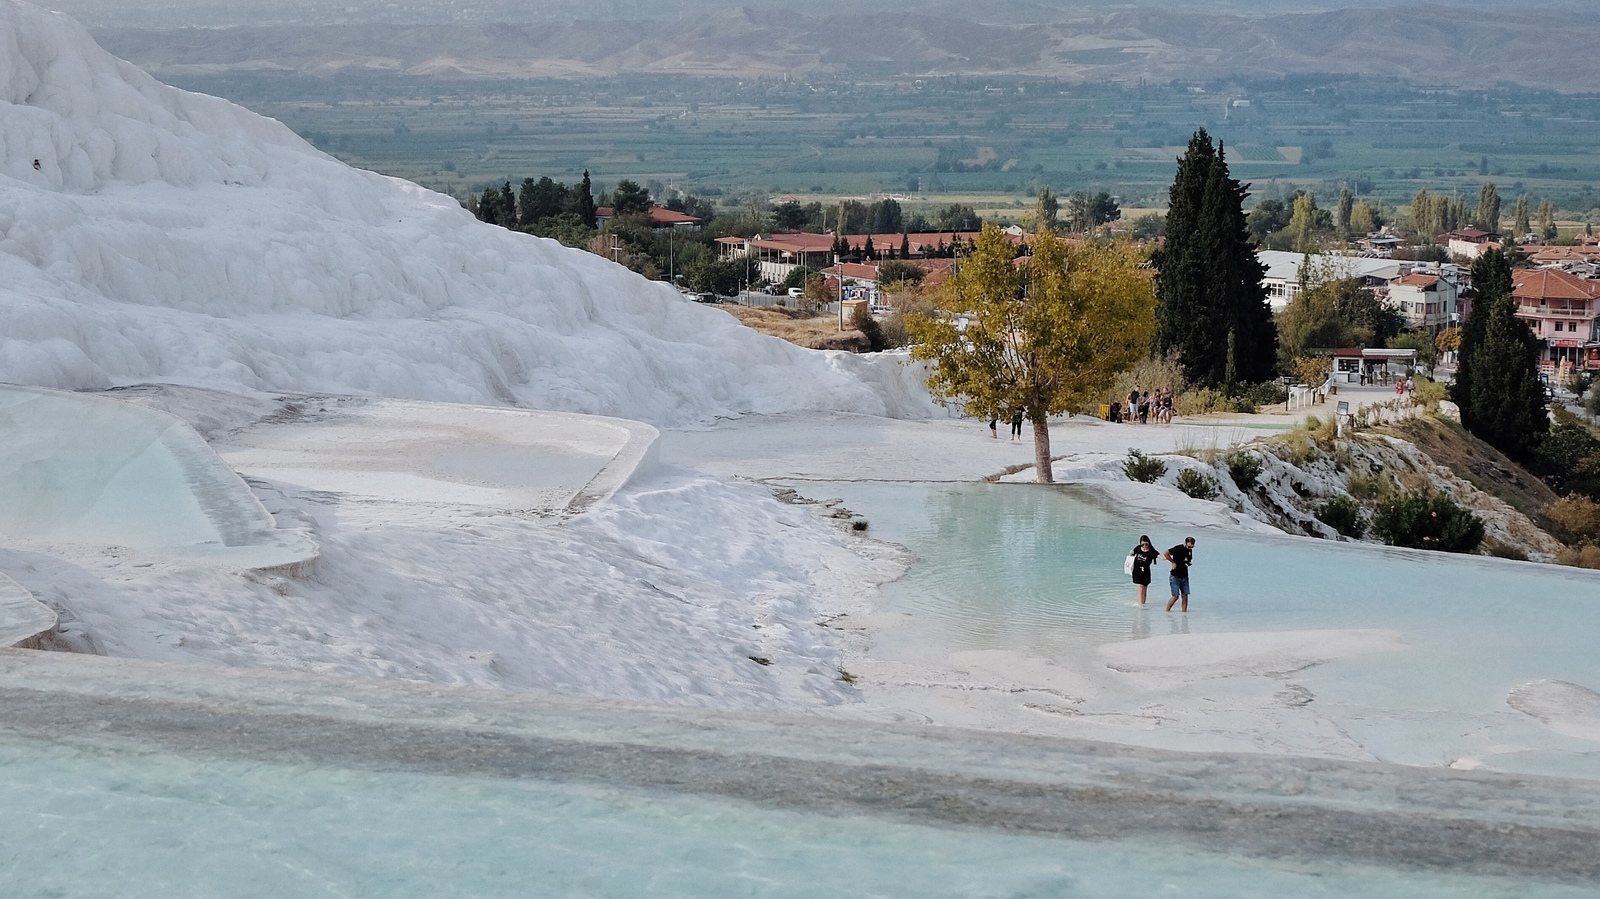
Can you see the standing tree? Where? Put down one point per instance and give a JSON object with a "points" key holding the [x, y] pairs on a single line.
{"points": [[489, 209], [1547, 221], [790, 216], [582, 199], [1341, 214], [1497, 379], [508, 205], [1303, 223], [541, 199], [1520, 213], [1086, 211], [1212, 308], [1045, 338], [1048, 209], [886, 217], [1488, 207], [628, 197], [1363, 220]]}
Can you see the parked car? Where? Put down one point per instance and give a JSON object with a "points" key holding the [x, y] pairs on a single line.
{"points": [[797, 291]]}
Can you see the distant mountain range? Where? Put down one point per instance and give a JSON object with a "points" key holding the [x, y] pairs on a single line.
{"points": [[1437, 44]]}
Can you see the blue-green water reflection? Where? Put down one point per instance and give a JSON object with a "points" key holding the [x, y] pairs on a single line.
{"points": [[1039, 570]]}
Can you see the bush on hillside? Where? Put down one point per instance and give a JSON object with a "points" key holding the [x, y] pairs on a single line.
{"points": [[1198, 484], [1426, 519], [1585, 557], [1343, 514], [1244, 467], [1430, 392], [1568, 459], [1265, 393], [1575, 520], [1373, 485], [1142, 468]]}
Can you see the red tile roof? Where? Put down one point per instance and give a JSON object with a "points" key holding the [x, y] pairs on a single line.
{"points": [[659, 215], [1552, 284]]}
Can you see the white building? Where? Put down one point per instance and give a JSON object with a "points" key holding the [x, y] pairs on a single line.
{"points": [[1427, 300], [1282, 279]]}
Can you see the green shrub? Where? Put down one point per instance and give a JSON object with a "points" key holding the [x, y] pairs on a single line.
{"points": [[1234, 404], [1264, 394], [1568, 459], [1142, 468], [1244, 467], [868, 326], [1195, 402], [1300, 448], [1370, 486], [1424, 519], [1343, 514], [1429, 392], [1198, 484]]}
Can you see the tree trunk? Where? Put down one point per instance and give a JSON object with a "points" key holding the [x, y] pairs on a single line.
{"points": [[1041, 449]]}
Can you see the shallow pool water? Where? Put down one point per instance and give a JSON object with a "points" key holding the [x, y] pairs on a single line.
{"points": [[1039, 570], [140, 780], [80, 824]]}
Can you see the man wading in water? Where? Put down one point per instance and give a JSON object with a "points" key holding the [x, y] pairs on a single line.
{"points": [[1181, 557]]}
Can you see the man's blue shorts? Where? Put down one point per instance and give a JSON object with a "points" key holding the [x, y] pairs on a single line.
{"points": [[1180, 585]]}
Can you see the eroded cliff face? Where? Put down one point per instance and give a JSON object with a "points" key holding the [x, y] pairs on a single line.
{"points": [[1303, 469]]}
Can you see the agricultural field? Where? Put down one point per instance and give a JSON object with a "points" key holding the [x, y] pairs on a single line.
{"points": [[989, 143]]}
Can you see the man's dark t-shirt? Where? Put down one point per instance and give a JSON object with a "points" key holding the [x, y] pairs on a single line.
{"points": [[1181, 557]]}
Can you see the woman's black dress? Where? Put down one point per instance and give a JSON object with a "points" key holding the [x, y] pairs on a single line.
{"points": [[1142, 560]]}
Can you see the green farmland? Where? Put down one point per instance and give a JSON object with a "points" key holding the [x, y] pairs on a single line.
{"points": [[998, 140]]}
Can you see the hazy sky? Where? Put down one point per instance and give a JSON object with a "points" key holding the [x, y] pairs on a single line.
{"points": [[213, 13]]}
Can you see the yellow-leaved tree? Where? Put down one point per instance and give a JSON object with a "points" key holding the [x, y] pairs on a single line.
{"points": [[1046, 336]]}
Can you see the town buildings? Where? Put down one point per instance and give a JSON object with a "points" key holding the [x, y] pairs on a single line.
{"points": [[1561, 308]]}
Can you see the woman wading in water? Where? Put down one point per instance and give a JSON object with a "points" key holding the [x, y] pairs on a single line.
{"points": [[1143, 555]]}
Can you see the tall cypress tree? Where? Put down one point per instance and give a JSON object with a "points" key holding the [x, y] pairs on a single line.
{"points": [[1211, 305], [1497, 382], [583, 201], [1491, 279], [508, 206], [489, 207], [1341, 211]]}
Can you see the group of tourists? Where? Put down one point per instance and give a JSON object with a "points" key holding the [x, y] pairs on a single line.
{"points": [[1181, 557], [1016, 425], [1143, 407]]}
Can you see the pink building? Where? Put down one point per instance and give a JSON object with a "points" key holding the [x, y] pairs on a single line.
{"points": [[1562, 309]]}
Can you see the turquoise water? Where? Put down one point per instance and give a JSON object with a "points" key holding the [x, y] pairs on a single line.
{"points": [[133, 780], [104, 823], [1015, 566]]}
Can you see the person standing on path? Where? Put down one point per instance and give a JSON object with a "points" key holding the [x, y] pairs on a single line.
{"points": [[1016, 425], [994, 420], [1181, 557], [1144, 555]]}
